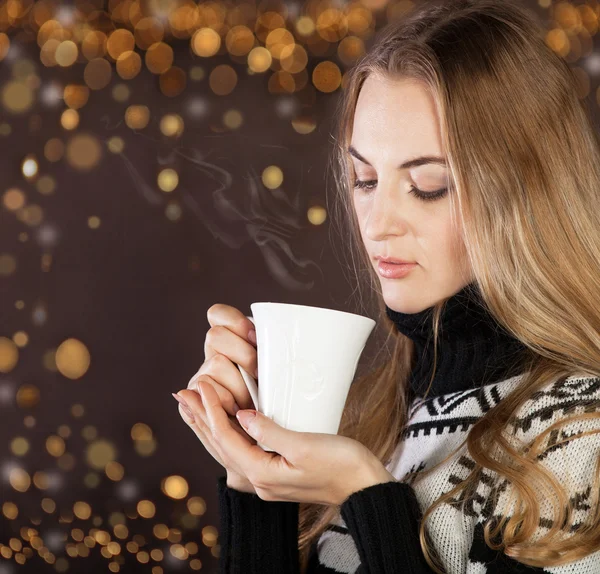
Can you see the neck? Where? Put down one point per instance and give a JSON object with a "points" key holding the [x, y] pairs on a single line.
{"points": [[473, 349]]}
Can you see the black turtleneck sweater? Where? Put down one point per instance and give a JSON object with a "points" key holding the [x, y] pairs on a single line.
{"points": [[378, 533]]}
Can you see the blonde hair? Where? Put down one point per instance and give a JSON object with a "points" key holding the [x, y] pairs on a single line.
{"points": [[524, 159]]}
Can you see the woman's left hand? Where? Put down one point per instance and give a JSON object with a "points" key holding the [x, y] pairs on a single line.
{"points": [[318, 468]]}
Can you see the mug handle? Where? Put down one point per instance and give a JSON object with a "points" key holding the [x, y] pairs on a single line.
{"points": [[250, 380]]}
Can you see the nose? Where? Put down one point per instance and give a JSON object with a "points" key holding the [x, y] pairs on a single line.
{"points": [[387, 215]]}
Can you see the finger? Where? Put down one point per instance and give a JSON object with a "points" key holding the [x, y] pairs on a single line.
{"points": [[227, 400], [234, 449], [236, 346], [221, 369], [195, 403]]}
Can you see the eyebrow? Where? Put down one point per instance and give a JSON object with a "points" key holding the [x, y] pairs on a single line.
{"points": [[417, 161]]}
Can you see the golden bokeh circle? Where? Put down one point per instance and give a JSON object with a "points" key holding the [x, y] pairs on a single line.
{"points": [[239, 40], [28, 396], [66, 53], [17, 97], [121, 40], [97, 73], [129, 65], [171, 125], [175, 487], [13, 199], [159, 58], [72, 358], [293, 58], [259, 59], [9, 355], [173, 81], [94, 45], [19, 479], [54, 149], [326, 76], [168, 179], [76, 96], [205, 42], [69, 119], [148, 31], [84, 152], [4, 45], [223, 80], [99, 453], [137, 117]]}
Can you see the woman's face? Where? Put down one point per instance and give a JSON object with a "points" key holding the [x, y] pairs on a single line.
{"points": [[395, 122]]}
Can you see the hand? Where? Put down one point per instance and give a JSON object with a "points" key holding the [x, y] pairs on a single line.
{"points": [[227, 342], [319, 468]]}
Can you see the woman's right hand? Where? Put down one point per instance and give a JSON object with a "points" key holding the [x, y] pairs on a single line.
{"points": [[227, 342]]}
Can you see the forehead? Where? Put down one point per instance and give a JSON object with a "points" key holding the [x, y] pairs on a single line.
{"points": [[397, 112]]}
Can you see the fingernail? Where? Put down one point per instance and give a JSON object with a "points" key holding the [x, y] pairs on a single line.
{"points": [[245, 417], [252, 335], [184, 406]]}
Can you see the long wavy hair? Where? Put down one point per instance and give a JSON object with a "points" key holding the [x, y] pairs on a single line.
{"points": [[524, 159]]}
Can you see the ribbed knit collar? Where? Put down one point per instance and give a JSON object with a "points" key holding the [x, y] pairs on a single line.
{"points": [[473, 349]]}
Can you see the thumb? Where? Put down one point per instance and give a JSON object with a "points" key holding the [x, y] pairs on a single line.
{"points": [[264, 429]]}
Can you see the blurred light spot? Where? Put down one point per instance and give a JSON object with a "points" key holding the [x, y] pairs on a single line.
{"points": [[197, 73], [9, 353], [72, 358], [137, 117], [233, 119], [91, 480], [259, 59], [93, 222], [206, 42], [84, 152], [13, 199], [8, 264], [171, 125], [82, 510], [17, 97], [97, 73], [175, 487], [54, 148], [316, 215], [115, 471], [172, 82], [19, 446], [326, 76], [196, 505], [168, 179], [129, 65], [46, 185], [19, 479], [10, 510], [116, 144], [55, 445], [141, 431], [223, 80], [66, 53], [4, 45], [29, 167], [28, 395], [89, 432], [20, 338], [100, 453], [69, 119], [120, 41], [77, 410], [48, 505], [146, 508], [159, 57], [272, 177], [76, 96], [121, 93]]}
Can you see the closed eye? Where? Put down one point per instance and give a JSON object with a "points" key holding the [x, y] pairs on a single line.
{"points": [[420, 194]]}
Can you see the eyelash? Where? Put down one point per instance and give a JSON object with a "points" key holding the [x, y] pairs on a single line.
{"points": [[422, 195]]}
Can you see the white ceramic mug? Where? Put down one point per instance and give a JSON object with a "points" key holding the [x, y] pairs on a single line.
{"points": [[307, 358]]}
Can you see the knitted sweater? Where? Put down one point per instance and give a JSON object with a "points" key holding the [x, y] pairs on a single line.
{"points": [[376, 531]]}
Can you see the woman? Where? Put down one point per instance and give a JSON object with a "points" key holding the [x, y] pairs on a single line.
{"points": [[474, 447]]}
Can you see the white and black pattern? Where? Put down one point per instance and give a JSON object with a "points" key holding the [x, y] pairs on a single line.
{"points": [[437, 426]]}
